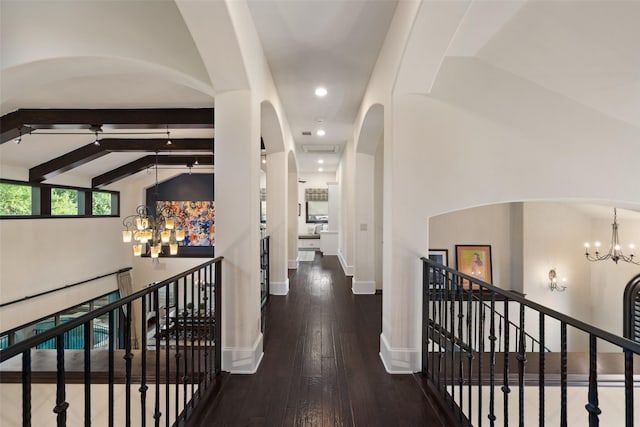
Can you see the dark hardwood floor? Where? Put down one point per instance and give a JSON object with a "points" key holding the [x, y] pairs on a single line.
{"points": [[321, 365]]}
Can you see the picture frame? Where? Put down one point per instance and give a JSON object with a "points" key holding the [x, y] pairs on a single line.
{"points": [[441, 256], [474, 260]]}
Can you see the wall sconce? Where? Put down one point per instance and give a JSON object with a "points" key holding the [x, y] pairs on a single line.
{"points": [[553, 282]]}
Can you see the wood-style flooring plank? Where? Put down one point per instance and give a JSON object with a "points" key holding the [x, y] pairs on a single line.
{"points": [[321, 364]]}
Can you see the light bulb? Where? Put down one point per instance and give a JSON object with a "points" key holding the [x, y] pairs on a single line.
{"points": [[587, 245], [321, 91], [597, 244]]}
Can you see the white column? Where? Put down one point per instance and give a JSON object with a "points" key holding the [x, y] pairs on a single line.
{"points": [[294, 210], [237, 150], [277, 222], [405, 240], [364, 244]]}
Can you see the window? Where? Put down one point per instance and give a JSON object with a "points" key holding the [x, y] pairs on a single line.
{"points": [[64, 201], [15, 199], [19, 199], [317, 211], [631, 309], [103, 203]]}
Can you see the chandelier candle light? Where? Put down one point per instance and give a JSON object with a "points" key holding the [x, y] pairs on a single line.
{"points": [[615, 250], [143, 228]]}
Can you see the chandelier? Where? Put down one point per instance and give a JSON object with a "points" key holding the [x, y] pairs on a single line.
{"points": [[149, 232], [615, 250]]}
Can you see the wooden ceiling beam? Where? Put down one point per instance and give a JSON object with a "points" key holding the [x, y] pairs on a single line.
{"points": [[89, 152], [30, 119], [145, 163]]}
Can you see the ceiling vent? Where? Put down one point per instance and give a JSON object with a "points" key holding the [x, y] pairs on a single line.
{"points": [[315, 148], [306, 133]]}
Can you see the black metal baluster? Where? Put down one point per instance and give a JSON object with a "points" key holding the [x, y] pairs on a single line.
{"points": [[201, 317], [541, 373], [592, 406], [61, 405], [563, 374], [452, 332], [218, 317], [492, 361], [444, 350], [88, 343], [207, 319], [180, 330], [185, 378], [505, 381], [440, 333], [112, 343], [522, 360], [470, 349], [480, 352], [460, 298], [194, 317], [499, 334], [127, 357], [143, 382], [26, 388], [425, 316], [167, 350], [628, 388], [156, 303]]}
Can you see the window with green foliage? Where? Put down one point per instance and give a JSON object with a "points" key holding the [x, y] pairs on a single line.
{"points": [[64, 201], [15, 199], [20, 199], [101, 203]]}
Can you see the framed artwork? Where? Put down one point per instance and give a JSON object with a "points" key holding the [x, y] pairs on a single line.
{"points": [[441, 256], [474, 260]]}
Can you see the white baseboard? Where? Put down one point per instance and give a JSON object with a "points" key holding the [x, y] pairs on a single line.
{"points": [[279, 288], [348, 269], [239, 360], [292, 264], [363, 287], [399, 360]]}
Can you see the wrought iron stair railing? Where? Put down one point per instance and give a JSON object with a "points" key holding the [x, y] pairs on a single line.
{"points": [[476, 380], [168, 341]]}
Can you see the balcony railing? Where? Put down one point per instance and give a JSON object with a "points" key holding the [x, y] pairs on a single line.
{"points": [[473, 365], [169, 336]]}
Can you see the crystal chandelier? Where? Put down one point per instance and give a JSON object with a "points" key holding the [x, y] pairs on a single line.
{"points": [[149, 233], [615, 249]]}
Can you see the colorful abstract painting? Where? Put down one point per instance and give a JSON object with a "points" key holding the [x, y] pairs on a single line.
{"points": [[197, 218]]}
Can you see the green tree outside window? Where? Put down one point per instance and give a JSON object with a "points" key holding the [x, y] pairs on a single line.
{"points": [[15, 199]]}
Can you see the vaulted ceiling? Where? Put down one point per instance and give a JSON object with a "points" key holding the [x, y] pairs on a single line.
{"points": [[75, 54]]}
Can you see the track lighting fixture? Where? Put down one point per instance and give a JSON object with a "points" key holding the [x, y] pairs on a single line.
{"points": [[97, 141], [19, 138], [168, 136]]}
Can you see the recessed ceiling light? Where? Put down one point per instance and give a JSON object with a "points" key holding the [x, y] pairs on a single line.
{"points": [[320, 132], [320, 169], [321, 91], [320, 161]]}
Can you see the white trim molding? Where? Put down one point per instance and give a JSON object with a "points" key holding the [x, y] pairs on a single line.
{"points": [[363, 287], [238, 360], [399, 360], [348, 269], [279, 288], [293, 264]]}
